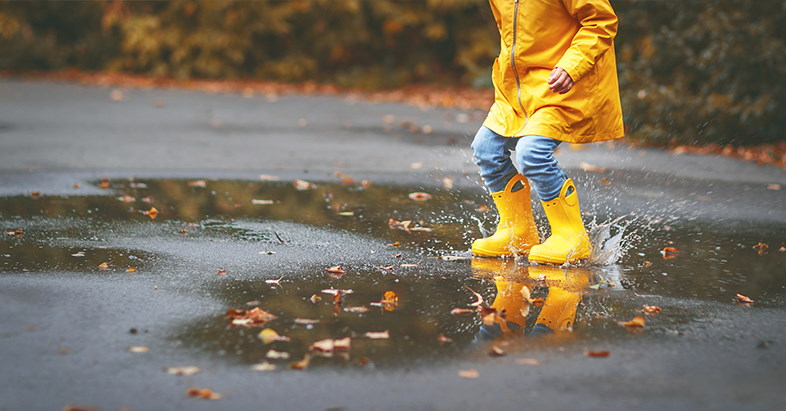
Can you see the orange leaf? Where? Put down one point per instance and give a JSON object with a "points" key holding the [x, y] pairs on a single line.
{"points": [[597, 354], [496, 351], [669, 252], [302, 364], [389, 300], [131, 269], [419, 196], [636, 322], [302, 185], [335, 270], [222, 272], [103, 266], [152, 213], [651, 309], [203, 393], [255, 316], [743, 299]]}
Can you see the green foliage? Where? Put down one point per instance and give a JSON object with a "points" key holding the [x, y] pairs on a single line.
{"points": [[693, 71]]}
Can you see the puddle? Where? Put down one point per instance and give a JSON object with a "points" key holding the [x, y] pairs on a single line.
{"points": [[385, 241]]}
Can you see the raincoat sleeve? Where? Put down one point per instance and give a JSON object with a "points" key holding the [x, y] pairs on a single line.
{"points": [[598, 27]]}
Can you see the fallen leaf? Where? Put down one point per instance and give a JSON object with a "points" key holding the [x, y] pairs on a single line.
{"points": [[263, 366], [336, 291], [496, 351], [79, 254], [103, 266], [408, 265], [457, 311], [347, 213], [419, 196], [253, 317], [105, 183], [774, 187], [378, 335], [222, 272], [743, 299], [389, 301], [386, 267], [442, 339], [277, 355], [126, 199], [276, 281], [265, 177], [597, 354], [302, 185], [269, 335], [651, 309], [131, 269], [336, 270], [306, 321], [152, 213], [314, 298], [261, 202], [527, 361], [761, 248], [182, 230], [190, 370], [594, 169], [302, 364], [203, 393], [782, 249], [197, 183], [138, 349], [325, 345], [636, 322], [669, 252], [468, 373]]}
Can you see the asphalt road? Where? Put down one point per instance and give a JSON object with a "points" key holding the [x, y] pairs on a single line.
{"points": [[64, 334]]}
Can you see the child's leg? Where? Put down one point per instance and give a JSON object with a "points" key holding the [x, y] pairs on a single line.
{"points": [[492, 155], [569, 241], [516, 232], [535, 155]]}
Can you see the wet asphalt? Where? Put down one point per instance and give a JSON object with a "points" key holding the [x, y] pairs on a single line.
{"points": [[65, 332]]}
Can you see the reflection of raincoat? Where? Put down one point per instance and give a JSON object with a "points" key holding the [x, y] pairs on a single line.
{"points": [[538, 35]]}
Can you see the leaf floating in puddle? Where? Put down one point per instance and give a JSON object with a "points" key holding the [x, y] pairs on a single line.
{"points": [[190, 370], [131, 269], [315, 298], [335, 291], [306, 321], [389, 301], [275, 281], [327, 346], [357, 310], [254, 201], [457, 311], [637, 323], [651, 309], [406, 225], [79, 254], [248, 318], [222, 272], [103, 266], [198, 183], [264, 366], [597, 354], [152, 213], [302, 185], [478, 296], [419, 196], [203, 393], [138, 349], [277, 355], [336, 271], [378, 335], [742, 299], [126, 199], [669, 253], [265, 177], [469, 374], [496, 352], [269, 335], [761, 248], [302, 364]]}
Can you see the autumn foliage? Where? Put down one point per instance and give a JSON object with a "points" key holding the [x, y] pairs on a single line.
{"points": [[695, 71]]}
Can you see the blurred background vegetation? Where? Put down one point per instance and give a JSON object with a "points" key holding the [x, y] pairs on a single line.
{"points": [[691, 71]]}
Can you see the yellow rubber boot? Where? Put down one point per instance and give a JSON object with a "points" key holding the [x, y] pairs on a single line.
{"points": [[516, 232], [569, 240]]}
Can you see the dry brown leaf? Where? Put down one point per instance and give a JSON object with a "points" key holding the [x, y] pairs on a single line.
{"points": [[152, 213], [378, 335], [597, 354], [314, 298], [761, 248], [386, 267], [408, 265], [79, 254], [420, 196], [479, 297], [469, 373], [743, 299], [669, 253], [651, 309], [203, 393], [774, 187], [302, 185], [277, 355], [198, 183], [306, 321], [389, 300], [336, 270], [103, 266], [105, 183], [221, 272], [325, 345], [302, 364], [636, 322], [261, 202], [457, 311], [495, 351], [189, 370], [248, 318], [263, 366]]}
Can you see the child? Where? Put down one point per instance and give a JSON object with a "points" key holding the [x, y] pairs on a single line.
{"points": [[555, 80]]}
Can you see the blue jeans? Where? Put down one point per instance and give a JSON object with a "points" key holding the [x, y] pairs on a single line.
{"points": [[534, 154]]}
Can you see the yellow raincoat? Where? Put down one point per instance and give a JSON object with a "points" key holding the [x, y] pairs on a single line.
{"points": [[535, 37]]}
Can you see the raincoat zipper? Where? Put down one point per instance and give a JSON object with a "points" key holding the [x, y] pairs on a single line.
{"points": [[513, 60]]}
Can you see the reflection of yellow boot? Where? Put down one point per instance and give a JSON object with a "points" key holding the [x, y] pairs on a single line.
{"points": [[511, 301], [516, 232], [559, 307], [490, 268], [569, 240]]}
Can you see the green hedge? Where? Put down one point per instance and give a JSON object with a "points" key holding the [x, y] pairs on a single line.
{"points": [[691, 71]]}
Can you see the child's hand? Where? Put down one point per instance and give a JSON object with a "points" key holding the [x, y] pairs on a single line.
{"points": [[560, 81]]}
